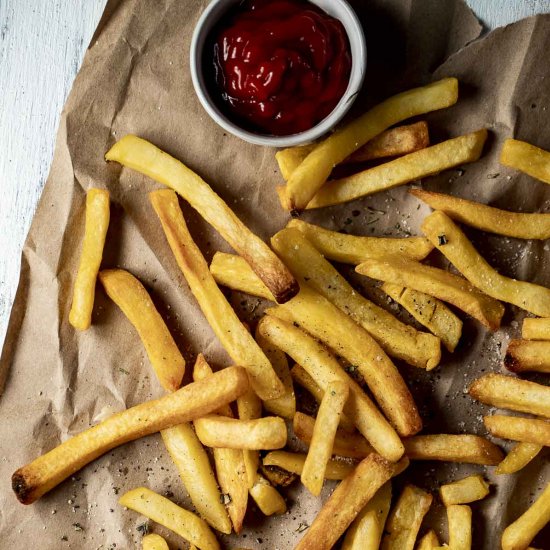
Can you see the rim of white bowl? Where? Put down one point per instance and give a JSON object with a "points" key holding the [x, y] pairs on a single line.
{"points": [[358, 47]]}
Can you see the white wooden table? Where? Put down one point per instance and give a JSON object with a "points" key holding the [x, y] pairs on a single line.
{"points": [[42, 43]]}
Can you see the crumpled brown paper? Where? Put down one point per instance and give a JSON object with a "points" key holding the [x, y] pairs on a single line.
{"points": [[135, 78]]}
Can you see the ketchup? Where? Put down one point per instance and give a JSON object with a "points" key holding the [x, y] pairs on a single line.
{"points": [[281, 65]]}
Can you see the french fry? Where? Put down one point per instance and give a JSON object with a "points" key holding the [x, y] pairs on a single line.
{"points": [[95, 232], [285, 405], [448, 238], [414, 166], [268, 499], [302, 377], [312, 173], [470, 449], [154, 542], [526, 430], [428, 311], [405, 519], [345, 503], [528, 355], [324, 368], [168, 514], [519, 534], [527, 158], [235, 338], [535, 328], [509, 392], [192, 401], [278, 476], [487, 218], [437, 283], [367, 529], [350, 249], [324, 431], [351, 445], [429, 541], [134, 301], [464, 491], [402, 341], [294, 462], [459, 519], [519, 456], [138, 154]]}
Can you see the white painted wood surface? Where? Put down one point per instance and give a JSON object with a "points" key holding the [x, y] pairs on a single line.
{"points": [[42, 43]]}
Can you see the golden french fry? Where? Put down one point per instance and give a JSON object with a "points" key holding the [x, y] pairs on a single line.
{"points": [[487, 218], [509, 392], [414, 166], [535, 328], [405, 519], [322, 440], [419, 349], [324, 368], [471, 449], [429, 541], [268, 499], [428, 311], [527, 158], [448, 238], [520, 455], [345, 503], [459, 519], [351, 445], [312, 173], [526, 430], [350, 249], [138, 154], [95, 232], [236, 340], [367, 529], [294, 462], [464, 491], [285, 405], [134, 301], [192, 401], [170, 515], [519, 534], [437, 283], [528, 355], [154, 542]]}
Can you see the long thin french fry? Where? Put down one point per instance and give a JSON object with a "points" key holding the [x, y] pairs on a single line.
{"points": [[527, 158], [528, 355], [516, 428], [459, 518], [518, 457], [294, 462], [536, 329]]}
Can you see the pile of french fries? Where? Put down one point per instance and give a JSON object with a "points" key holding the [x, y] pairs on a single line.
{"points": [[227, 431]]}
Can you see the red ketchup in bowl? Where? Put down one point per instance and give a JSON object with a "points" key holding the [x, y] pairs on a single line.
{"points": [[280, 66]]}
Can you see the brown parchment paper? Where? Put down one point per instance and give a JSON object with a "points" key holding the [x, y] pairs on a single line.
{"points": [[135, 78]]}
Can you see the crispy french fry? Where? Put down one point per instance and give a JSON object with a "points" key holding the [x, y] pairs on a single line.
{"points": [[268, 499], [470, 449], [236, 340], [367, 529], [351, 445], [429, 541], [192, 401], [322, 440], [294, 462], [417, 348], [449, 239], [95, 232], [535, 328], [134, 301], [528, 355], [312, 173], [324, 368], [249, 407], [170, 515], [527, 158], [138, 154], [459, 519], [527, 430], [285, 405], [428, 311], [438, 283], [154, 542], [519, 534], [405, 519], [509, 392], [278, 476], [420, 164], [345, 503], [519, 456], [487, 218], [464, 491], [350, 249]]}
